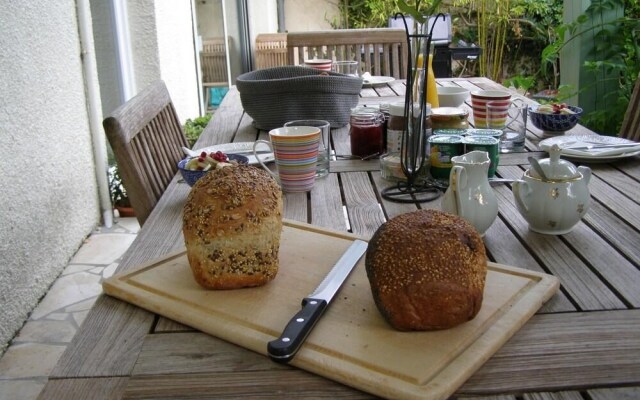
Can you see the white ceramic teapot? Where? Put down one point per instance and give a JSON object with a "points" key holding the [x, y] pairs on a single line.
{"points": [[555, 203]]}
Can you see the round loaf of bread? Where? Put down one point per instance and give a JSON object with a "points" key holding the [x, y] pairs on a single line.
{"points": [[427, 270], [232, 222]]}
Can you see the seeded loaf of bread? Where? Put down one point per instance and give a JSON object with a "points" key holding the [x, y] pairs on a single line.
{"points": [[427, 270], [232, 222]]}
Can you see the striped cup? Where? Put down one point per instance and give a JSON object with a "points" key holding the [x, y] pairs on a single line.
{"points": [[295, 149], [500, 102], [319, 64]]}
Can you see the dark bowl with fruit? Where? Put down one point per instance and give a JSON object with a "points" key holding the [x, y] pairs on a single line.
{"points": [[194, 168], [554, 119]]}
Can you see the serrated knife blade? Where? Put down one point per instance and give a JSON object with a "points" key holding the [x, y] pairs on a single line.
{"points": [[284, 348]]}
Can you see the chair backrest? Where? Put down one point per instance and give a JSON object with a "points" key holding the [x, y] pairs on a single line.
{"points": [[146, 137], [213, 62], [631, 124], [270, 50], [381, 51]]}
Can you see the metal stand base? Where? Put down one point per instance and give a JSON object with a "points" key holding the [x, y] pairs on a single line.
{"points": [[405, 193]]}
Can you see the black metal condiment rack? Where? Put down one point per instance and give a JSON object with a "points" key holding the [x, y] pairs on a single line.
{"points": [[413, 151]]}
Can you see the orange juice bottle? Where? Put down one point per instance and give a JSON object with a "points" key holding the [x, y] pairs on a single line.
{"points": [[432, 89]]}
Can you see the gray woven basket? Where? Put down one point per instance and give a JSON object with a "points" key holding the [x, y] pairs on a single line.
{"points": [[273, 96]]}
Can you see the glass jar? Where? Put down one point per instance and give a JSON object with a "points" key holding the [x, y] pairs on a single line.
{"points": [[449, 118], [366, 132], [391, 167], [397, 124], [386, 114], [427, 124]]}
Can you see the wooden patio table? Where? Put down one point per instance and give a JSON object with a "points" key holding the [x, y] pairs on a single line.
{"points": [[584, 343]]}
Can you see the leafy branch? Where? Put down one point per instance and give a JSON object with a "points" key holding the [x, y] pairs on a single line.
{"points": [[416, 12], [614, 57]]}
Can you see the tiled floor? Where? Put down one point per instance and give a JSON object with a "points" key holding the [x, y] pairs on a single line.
{"points": [[25, 366]]}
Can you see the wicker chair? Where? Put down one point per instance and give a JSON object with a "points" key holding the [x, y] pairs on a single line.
{"points": [[271, 50], [631, 124], [146, 137], [381, 52]]}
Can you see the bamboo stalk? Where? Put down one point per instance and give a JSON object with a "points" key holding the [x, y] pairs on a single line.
{"points": [[482, 37]]}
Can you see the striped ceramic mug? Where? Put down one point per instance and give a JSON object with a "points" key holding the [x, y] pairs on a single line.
{"points": [[320, 64], [295, 149], [479, 101]]}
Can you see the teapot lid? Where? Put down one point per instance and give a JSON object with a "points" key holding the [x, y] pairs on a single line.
{"points": [[556, 168]]}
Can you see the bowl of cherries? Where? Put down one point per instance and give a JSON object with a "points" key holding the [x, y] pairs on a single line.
{"points": [[555, 118], [194, 168]]}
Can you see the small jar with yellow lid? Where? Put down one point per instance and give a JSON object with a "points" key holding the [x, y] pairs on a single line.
{"points": [[449, 118]]}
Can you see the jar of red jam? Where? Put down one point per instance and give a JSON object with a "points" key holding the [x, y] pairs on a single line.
{"points": [[366, 132]]}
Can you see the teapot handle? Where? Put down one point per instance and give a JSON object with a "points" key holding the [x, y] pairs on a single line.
{"points": [[457, 181], [520, 188]]}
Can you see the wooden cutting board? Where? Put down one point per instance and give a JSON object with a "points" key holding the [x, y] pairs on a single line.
{"points": [[351, 344]]}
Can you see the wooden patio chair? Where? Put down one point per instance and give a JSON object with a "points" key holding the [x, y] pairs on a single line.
{"points": [[213, 63], [381, 51], [270, 50], [146, 137], [631, 124]]}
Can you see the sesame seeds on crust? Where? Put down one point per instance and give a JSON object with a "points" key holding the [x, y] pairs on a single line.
{"points": [[232, 222], [230, 200], [427, 270]]}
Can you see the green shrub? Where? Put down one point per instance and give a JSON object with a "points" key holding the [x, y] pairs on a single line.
{"points": [[613, 62], [194, 127], [116, 188]]}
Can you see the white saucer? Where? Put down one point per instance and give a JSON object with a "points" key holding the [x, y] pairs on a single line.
{"points": [[377, 80], [602, 155]]}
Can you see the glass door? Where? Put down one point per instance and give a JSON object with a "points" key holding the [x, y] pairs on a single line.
{"points": [[222, 32]]}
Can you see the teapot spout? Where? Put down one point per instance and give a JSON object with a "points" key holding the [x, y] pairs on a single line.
{"points": [[586, 173]]}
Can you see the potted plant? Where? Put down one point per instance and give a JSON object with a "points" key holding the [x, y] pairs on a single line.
{"points": [[119, 197]]}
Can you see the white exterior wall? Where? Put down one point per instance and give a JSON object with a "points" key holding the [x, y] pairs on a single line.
{"points": [[144, 43], [176, 55], [210, 18], [162, 47], [309, 15], [268, 21], [104, 44], [48, 201]]}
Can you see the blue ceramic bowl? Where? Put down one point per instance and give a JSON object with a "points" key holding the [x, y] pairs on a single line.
{"points": [[191, 177], [554, 123]]}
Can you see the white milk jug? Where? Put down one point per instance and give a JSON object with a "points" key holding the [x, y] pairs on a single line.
{"points": [[469, 194]]}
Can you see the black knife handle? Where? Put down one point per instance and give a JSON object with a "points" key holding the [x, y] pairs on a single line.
{"points": [[285, 347]]}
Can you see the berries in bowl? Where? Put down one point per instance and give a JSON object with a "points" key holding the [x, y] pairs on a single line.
{"points": [[554, 119], [194, 168]]}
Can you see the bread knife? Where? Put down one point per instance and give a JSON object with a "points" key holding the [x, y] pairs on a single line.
{"points": [[295, 332]]}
